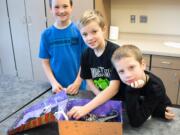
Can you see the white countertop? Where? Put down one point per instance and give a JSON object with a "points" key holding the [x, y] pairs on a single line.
{"points": [[152, 44]]}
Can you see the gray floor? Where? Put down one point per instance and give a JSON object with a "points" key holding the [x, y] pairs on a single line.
{"points": [[14, 94]]}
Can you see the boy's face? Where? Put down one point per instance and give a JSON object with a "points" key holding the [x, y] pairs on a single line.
{"points": [[93, 35], [61, 10], [130, 70]]}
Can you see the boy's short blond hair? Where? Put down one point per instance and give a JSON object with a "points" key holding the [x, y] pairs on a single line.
{"points": [[127, 51], [89, 16]]}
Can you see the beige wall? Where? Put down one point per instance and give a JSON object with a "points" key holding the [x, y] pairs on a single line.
{"points": [[104, 6], [79, 6], [163, 16]]}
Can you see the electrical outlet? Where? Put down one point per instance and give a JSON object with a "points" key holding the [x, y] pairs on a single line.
{"points": [[133, 18], [143, 19]]}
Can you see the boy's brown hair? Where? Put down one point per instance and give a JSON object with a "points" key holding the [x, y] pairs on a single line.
{"points": [[89, 16], [50, 3], [127, 51]]}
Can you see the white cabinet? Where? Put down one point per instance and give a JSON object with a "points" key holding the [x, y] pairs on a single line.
{"points": [[36, 22], [27, 20], [17, 14], [49, 18], [7, 63], [168, 69], [0, 67]]}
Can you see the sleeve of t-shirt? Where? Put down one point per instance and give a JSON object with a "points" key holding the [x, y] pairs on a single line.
{"points": [[84, 46], [160, 111], [114, 75], [85, 69], [43, 50]]}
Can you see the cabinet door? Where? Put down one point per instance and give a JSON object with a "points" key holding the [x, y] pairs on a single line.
{"points": [[36, 23], [17, 13], [49, 17], [0, 68], [7, 63], [166, 62], [170, 80], [179, 89], [147, 60], [179, 95]]}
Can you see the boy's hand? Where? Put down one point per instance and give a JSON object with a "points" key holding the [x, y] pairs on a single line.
{"points": [[73, 88], [77, 112], [137, 84], [169, 114], [56, 88]]}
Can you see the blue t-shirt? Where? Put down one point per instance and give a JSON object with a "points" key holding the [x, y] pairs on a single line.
{"points": [[63, 47]]}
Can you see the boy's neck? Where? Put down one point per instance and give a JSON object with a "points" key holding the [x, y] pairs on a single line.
{"points": [[62, 25], [146, 78], [100, 50]]}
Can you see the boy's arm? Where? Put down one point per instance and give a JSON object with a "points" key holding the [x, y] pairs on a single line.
{"points": [[92, 87], [74, 87], [140, 108], [164, 110], [169, 114], [56, 87], [102, 97]]}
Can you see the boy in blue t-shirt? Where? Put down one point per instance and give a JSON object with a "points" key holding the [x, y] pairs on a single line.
{"points": [[61, 47]]}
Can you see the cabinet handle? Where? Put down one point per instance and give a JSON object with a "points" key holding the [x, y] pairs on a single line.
{"points": [[29, 21], [24, 20], [165, 62]]}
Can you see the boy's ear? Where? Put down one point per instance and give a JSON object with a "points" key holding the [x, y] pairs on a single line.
{"points": [[105, 31], [143, 64], [104, 28], [72, 7], [50, 10], [50, 7]]}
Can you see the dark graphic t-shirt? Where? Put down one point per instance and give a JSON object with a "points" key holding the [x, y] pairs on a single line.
{"points": [[99, 69]]}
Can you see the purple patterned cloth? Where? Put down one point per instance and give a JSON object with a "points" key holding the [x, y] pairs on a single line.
{"points": [[60, 104]]}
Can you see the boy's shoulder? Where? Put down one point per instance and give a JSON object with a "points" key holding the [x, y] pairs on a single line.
{"points": [[111, 47], [73, 26], [48, 30], [153, 76], [88, 52], [112, 44], [154, 79]]}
